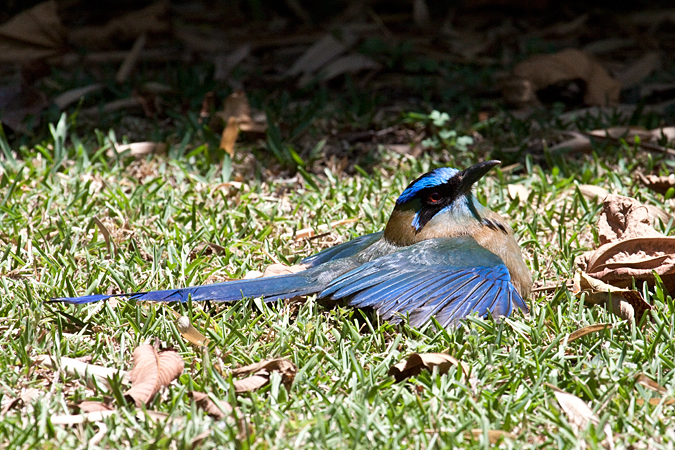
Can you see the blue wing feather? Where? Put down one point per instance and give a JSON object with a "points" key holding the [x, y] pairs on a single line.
{"points": [[449, 278]]}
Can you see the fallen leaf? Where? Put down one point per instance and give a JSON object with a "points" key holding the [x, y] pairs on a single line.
{"points": [[261, 374], [152, 371], [352, 63], [519, 191], [630, 247], [416, 362], [130, 61], [189, 332], [137, 149], [543, 71], [647, 382], [625, 303], [32, 34], [421, 16], [281, 269], [658, 184], [579, 413], [655, 401], [494, 436], [640, 69], [237, 116], [76, 419], [88, 406], [225, 63], [320, 53], [593, 192], [581, 332], [62, 101], [128, 27], [204, 402]]}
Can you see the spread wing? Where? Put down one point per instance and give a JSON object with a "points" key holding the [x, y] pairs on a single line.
{"points": [[448, 278], [343, 250]]}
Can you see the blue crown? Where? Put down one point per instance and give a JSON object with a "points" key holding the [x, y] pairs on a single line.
{"points": [[436, 177]]}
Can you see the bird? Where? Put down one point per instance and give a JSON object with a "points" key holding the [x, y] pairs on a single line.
{"points": [[441, 254]]}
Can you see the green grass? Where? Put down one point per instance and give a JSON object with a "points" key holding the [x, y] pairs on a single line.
{"points": [[159, 209]]}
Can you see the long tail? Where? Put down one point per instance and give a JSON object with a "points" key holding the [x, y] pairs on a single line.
{"points": [[271, 288]]}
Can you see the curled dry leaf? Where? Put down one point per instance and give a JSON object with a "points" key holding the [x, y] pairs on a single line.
{"points": [[542, 71], [204, 402], [237, 116], [647, 382], [189, 332], [127, 27], [581, 332], [494, 436], [137, 149], [415, 362], [625, 303], [261, 374], [321, 52], [579, 413], [630, 247], [152, 370], [657, 183], [88, 406]]}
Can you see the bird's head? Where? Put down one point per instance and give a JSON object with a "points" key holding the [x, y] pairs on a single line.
{"points": [[437, 204]]}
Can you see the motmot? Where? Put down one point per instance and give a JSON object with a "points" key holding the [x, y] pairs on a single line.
{"points": [[442, 254]]}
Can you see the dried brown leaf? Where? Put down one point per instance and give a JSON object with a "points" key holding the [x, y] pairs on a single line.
{"points": [[224, 64], [128, 27], [62, 101], [625, 303], [138, 149], [130, 61], [76, 419], [261, 374], [88, 406], [352, 63], [237, 116], [204, 402], [252, 383], [655, 401], [494, 436], [647, 382], [35, 33], [152, 371], [189, 332], [593, 192], [657, 183], [581, 332], [282, 269], [570, 64], [320, 53], [640, 69], [416, 362]]}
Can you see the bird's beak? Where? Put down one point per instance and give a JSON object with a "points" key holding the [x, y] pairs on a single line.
{"points": [[468, 177]]}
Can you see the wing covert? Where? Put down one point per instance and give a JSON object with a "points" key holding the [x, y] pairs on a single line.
{"points": [[448, 278]]}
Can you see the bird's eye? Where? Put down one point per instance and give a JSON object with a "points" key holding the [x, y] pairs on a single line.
{"points": [[434, 197]]}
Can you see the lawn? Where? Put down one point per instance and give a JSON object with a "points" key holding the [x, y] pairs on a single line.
{"points": [[76, 218]]}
